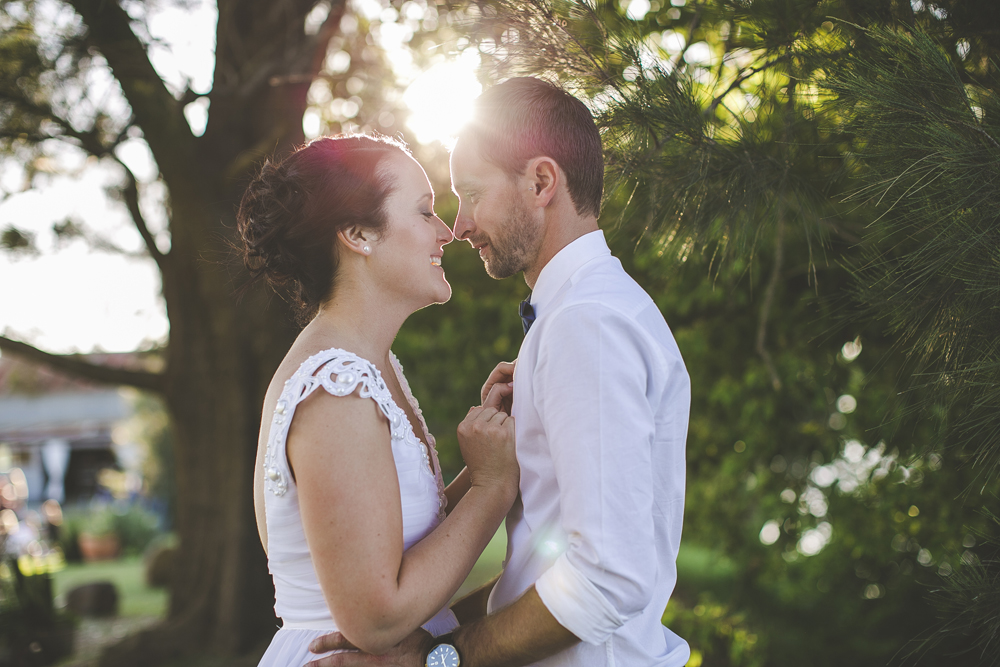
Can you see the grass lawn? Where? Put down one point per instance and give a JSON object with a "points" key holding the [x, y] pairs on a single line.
{"points": [[136, 599], [128, 576], [138, 605], [488, 565]]}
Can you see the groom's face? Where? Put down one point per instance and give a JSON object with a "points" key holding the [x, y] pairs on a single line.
{"points": [[493, 215]]}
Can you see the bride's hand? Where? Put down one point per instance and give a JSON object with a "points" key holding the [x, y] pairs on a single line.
{"points": [[502, 374], [486, 438], [408, 652]]}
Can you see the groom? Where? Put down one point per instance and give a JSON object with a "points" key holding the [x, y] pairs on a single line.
{"points": [[601, 400]]}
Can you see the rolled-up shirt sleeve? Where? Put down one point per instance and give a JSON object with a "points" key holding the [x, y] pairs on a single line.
{"points": [[591, 387]]}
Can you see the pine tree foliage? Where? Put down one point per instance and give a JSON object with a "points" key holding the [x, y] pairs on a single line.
{"points": [[969, 606], [681, 145], [928, 145], [741, 152], [711, 145], [927, 142]]}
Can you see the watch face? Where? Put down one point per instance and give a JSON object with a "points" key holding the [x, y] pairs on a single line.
{"points": [[443, 655]]}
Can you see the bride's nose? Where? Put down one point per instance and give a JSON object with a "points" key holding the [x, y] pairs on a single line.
{"points": [[445, 236]]}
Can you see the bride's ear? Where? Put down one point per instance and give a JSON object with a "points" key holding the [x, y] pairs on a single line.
{"points": [[357, 239]]}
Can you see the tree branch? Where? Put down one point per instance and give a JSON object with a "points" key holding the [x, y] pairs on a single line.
{"points": [[78, 366], [772, 287], [90, 140], [779, 246], [604, 76], [975, 128], [156, 111], [743, 76], [695, 22], [30, 136], [131, 195]]}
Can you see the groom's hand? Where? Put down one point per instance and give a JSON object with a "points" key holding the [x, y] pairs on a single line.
{"points": [[499, 397], [408, 653], [503, 374]]}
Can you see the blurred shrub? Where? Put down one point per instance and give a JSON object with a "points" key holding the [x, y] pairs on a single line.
{"points": [[69, 535], [32, 632], [136, 527], [718, 636]]}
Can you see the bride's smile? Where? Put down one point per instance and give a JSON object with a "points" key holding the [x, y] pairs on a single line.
{"points": [[408, 254]]}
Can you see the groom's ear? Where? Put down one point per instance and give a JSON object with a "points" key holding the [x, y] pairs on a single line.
{"points": [[545, 178]]}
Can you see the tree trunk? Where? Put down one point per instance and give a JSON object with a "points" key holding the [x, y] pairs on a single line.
{"points": [[221, 353]]}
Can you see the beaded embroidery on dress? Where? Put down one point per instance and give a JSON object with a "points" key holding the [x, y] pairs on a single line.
{"points": [[340, 376], [299, 600]]}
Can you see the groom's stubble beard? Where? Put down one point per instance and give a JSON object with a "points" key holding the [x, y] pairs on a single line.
{"points": [[514, 247]]}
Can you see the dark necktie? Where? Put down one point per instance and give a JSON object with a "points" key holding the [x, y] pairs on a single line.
{"points": [[527, 314]]}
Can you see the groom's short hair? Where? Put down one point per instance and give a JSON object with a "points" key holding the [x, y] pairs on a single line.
{"points": [[524, 118]]}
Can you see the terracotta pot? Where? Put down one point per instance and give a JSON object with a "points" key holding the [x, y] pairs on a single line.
{"points": [[99, 547]]}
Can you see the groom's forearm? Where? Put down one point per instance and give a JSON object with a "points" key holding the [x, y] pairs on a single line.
{"points": [[472, 607], [520, 634]]}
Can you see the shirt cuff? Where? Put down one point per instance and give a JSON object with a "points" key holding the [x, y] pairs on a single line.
{"points": [[576, 603], [444, 622]]}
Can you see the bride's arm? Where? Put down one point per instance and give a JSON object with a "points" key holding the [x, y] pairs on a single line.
{"points": [[350, 505], [457, 489]]}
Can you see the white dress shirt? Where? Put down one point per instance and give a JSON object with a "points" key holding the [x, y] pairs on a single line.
{"points": [[601, 403]]}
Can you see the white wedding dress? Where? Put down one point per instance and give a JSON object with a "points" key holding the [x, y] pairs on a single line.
{"points": [[299, 602]]}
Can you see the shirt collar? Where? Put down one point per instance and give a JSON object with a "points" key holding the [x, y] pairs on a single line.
{"points": [[564, 264]]}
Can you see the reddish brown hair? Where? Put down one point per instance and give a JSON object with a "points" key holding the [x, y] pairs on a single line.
{"points": [[293, 209]]}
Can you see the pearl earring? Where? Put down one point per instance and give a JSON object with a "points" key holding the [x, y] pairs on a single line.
{"points": [[367, 249]]}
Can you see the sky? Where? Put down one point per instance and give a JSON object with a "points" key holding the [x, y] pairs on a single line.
{"points": [[69, 298]]}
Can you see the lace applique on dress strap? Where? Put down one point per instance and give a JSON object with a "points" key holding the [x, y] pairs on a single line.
{"points": [[340, 373], [434, 463]]}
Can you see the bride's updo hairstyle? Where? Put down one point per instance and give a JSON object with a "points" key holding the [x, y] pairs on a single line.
{"points": [[293, 209]]}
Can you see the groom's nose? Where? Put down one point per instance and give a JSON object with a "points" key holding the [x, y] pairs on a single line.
{"points": [[464, 226]]}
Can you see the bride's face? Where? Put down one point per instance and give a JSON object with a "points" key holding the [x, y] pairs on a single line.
{"points": [[410, 248]]}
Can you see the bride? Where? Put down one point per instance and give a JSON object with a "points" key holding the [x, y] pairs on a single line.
{"points": [[360, 533]]}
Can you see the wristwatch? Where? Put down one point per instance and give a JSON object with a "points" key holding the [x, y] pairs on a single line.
{"points": [[443, 653]]}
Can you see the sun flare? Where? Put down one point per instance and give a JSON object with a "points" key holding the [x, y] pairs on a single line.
{"points": [[440, 99]]}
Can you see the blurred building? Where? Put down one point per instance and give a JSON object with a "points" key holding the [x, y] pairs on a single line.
{"points": [[59, 430]]}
